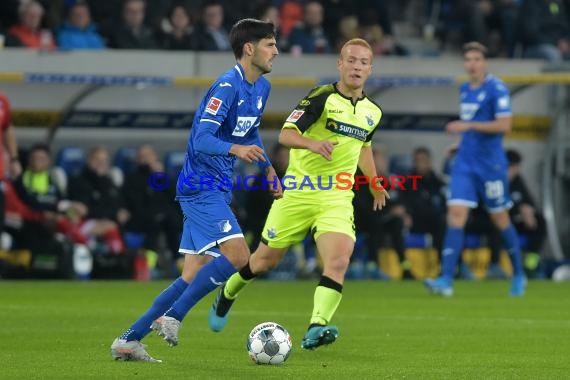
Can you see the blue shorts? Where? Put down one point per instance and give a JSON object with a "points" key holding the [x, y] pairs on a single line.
{"points": [[208, 221], [470, 184]]}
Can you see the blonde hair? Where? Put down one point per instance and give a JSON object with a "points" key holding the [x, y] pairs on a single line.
{"points": [[357, 42]]}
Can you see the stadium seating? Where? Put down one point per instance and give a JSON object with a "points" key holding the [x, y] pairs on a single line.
{"points": [[400, 164], [71, 159]]}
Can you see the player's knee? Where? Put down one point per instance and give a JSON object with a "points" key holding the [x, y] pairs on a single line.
{"points": [[456, 218], [240, 259], [338, 264]]}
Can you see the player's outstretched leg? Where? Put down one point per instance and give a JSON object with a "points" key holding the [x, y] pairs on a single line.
{"points": [[131, 351], [262, 260], [235, 255]]}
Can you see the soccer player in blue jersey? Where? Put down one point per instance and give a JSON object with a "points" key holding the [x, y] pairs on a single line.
{"points": [[225, 128], [480, 168]]}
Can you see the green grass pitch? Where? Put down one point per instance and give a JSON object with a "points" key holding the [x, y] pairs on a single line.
{"points": [[57, 330]]}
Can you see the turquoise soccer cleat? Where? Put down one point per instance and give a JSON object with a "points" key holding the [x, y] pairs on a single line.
{"points": [[219, 312], [518, 286], [441, 286], [319, 336]]}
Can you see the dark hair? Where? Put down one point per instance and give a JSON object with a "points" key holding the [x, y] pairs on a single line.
{"points": [[513, 157], [175, 6], [422, 150], [475, 46], [249, 30], [39, 147]]}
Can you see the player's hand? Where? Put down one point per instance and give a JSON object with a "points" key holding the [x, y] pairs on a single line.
{"points": [[248, 153], [272, 178], [457, 126], [380, 196], [323, 147]]}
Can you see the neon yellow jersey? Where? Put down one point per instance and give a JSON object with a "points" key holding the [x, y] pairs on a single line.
{"points": [[326, 114]]}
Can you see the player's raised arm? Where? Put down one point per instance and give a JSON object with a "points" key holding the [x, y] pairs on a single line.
{"points": [[291, 138]]}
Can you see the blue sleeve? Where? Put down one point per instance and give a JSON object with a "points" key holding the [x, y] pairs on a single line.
{"points": [[219, 100], [263, 165], [502, 101], [257, 141]]}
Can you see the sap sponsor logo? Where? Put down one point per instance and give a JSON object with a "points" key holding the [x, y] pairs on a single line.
{"points": [[244, 124], [213, 105], [295, 115], [468, 110]]}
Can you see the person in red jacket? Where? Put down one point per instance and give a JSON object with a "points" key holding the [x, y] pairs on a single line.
{"points": [[9, 148], [28, 32]]}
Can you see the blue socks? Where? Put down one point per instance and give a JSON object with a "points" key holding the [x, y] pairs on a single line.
{"points": [[452, 248], [207, 279], [511, 241], [141, 327]]}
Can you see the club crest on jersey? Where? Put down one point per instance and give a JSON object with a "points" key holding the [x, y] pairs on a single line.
{"points": [[225, 226], [213, 105], [295, 115], [481, 96], [370, 120], [271, 233], [259, 102]]}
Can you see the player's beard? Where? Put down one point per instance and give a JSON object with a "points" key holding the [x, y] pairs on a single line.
{"points": [[263, 69]]}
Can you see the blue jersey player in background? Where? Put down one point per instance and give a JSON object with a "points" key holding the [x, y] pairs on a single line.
{"points": [[225, 128], [479, 171]]}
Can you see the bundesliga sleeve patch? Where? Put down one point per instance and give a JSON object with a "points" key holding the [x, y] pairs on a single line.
{"points": [[295, 115], [213, 105]]}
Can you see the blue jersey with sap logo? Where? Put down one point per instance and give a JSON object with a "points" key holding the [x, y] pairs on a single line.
{"points": [[230, 113], [486, 103]]}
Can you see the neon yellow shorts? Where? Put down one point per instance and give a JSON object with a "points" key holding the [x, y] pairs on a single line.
{"points": [[292, 217]]}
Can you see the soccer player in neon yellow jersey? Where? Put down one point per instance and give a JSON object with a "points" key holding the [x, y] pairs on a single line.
{"points": [[329, 132]]}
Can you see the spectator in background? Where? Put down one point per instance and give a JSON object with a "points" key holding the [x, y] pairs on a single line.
{"points": [[8, 148], [152, 211], [210, 34], [309, 36], [180, 36], [78, 32], [37, 190], [426, 205], [545, 29], [269, 12], [132, 33], [376, 27], [379, 225], [291, 14], [28, 32], [105, 207], [347, 29]]}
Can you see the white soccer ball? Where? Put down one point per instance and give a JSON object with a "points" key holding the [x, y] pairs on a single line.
{"points": [[269, 343]]}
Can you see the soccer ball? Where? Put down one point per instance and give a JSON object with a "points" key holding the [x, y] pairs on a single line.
{"points": [[269, 343]]}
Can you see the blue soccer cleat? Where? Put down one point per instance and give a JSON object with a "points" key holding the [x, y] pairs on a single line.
{"points": [[319, 336], [518, 286], [219, 312], [441, 286]]}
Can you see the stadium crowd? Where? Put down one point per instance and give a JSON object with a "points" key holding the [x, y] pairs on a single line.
{"points": [[511, 28], [104, 202], [112, 210]]}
